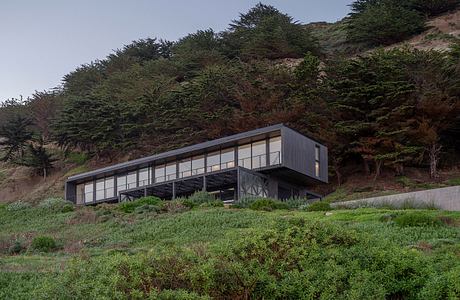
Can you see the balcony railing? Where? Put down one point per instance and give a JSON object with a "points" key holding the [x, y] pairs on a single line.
{"points": [[260, 161]]}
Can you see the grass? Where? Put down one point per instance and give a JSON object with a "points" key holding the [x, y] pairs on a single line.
{"points": [[101, 232]]}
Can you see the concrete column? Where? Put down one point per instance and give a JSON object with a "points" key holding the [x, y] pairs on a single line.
{"points": [[173, 190]]}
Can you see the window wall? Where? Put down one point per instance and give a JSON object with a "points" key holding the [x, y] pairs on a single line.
{"points": [[317, 166], [274, 146], [198, 165], [254, 155], [89, 192], [144, 176]]}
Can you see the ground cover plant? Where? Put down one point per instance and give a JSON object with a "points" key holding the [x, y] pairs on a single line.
{"points": [[208, 252]]}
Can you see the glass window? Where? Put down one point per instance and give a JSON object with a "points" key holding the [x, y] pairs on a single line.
{"points": [[109, 187], [275, 150], [89, 190], [80, 193], [185, 168], [171, 171], [144, 176], [121, 183], [131, 180], [227, 158], [259, 154], [244, 156], [160, 173], [213, 161], [198, 165], [100, 189], [317, 160]]}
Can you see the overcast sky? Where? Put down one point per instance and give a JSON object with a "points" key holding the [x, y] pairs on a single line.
{"points": [[42, 40]]}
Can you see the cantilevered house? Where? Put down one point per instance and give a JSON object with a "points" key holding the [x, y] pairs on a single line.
{"points": [[274, 161]]}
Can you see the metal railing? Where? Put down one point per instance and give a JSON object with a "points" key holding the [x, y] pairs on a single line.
{"points": [[260, 161]]}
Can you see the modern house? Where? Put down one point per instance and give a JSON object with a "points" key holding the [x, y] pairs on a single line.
{"points": [[274, 161]]}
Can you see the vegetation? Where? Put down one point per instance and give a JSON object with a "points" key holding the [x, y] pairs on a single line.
{"points": [[385, 110], [43, 244], [228, 253], [319, 206], [384, 22]]}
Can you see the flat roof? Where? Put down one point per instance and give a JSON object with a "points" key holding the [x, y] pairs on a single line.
{"points": [[176, 152]]}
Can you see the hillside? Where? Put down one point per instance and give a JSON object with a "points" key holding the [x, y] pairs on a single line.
{"points": [[172, 252], [151, 96]]}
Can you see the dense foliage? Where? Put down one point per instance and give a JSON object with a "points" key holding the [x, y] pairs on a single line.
{"points": [[385, 110], [383, 22]]}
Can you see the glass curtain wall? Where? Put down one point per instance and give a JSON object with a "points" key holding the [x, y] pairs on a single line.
{"points": [[171, 171], [227, 158], [213, 161], [244, 156], [185, 168], [131, 180], [89, 192], [144, 176], [198, 165], [259, 154], [80, 193], [160, 173], [109, 187], [275, 150]]}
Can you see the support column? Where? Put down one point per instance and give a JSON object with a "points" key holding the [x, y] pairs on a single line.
{"points": [[173, 190], [204, 184], [145, 192]]}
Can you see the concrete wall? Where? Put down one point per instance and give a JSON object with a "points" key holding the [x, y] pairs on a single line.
{"points": [[444, 198]]}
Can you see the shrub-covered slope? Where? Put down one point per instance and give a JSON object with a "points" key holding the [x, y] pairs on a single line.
{"points": [[174, 252]]}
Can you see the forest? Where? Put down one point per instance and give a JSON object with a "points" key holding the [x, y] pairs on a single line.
{"points": [[374, 107]]}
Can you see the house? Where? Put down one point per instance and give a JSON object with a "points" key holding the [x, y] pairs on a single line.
{"points": [[274, 161]]}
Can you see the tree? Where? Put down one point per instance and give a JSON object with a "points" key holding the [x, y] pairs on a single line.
{"points": [[265, 32], [382, 22], [38, 158], [43, 107], [15, 134]]}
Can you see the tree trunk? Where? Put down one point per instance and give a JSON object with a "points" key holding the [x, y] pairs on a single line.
{"points": [[44, 173], [434, 152], [367, 171], [337, 171], [378, 166]]}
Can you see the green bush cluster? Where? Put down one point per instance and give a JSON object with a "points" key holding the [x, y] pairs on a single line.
{"points": [[267, 204], [56, 205], [18, 206], [147, 203], [44, 244], [319, 206], [296, 259], [16, 248], [201, 199], [417, 219]]}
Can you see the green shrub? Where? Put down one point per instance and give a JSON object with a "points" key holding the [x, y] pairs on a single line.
{"points": [[18, 205], [56, 205], [43, 244], [295, 203], [416, 219], [454, 181], [294, 259], [215, 203], [78, 158], [16, 248], [319, 206], [267, 204], [130, 206], [146, 208], [201, 197]]}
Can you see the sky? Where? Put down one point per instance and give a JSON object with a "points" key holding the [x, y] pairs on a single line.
{"points": [[41, 41]]}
